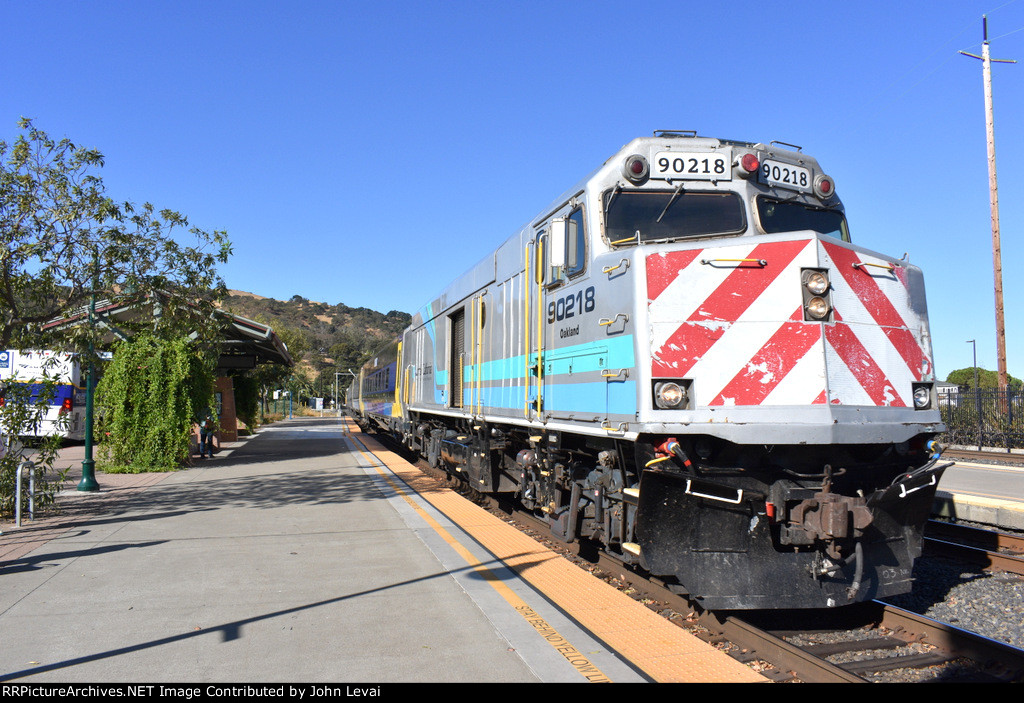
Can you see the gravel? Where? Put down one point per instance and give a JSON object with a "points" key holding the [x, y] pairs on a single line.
{"points": [[990, 604]]}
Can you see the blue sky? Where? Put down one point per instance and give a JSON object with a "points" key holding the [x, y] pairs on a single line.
{"points": [[368, 153]]}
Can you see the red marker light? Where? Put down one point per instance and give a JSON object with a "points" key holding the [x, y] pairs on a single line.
{"points": [[749, 163], [66, 405], [824, 187], [636, 169]]}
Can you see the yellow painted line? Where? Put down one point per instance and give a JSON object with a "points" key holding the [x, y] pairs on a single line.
{"points": [[580, 662]]}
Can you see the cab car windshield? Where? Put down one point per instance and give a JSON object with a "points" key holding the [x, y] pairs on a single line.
{"points": [[782, 216]]}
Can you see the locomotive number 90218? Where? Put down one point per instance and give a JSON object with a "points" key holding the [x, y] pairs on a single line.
{"points": [[573, 304], [670, 164], [786, 175]]}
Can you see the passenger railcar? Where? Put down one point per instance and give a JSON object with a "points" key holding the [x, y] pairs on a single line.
{"points": [[372, 393], [686, 359]]}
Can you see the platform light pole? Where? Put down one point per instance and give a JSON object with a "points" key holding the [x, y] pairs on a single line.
{"points": [[977, 391], [997, 261], [88, 481], [974, 346]]}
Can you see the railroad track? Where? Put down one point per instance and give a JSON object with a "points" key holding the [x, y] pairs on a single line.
{"points": [[1003, 457], [992, 550], [877, 642], [868, 642]]}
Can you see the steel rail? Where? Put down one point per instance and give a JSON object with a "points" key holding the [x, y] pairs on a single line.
{"points": [[956, 641], [976, 545]]}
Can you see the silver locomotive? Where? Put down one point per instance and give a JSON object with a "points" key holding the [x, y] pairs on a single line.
{"points": [[685, 359]]}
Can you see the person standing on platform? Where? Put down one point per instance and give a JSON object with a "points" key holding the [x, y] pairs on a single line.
{"points": [[206, 429]]}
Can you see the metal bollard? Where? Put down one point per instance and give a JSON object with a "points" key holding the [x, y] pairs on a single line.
{"points": [[31, 492]]}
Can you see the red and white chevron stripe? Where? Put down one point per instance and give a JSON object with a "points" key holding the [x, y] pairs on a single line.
{"points": [[735, 326]]}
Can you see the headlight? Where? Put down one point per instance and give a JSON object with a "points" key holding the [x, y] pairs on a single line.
{"points": [[815, 289], [818, 308], [817, 283], [669, 395], [922, 396]]}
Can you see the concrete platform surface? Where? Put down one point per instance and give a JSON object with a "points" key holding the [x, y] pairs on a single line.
{"points": [[292, 556], [278, 560]]}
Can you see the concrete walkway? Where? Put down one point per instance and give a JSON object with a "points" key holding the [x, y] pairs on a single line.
{"points": [[279, 560]]}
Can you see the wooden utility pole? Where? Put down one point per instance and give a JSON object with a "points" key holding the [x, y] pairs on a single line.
{"points": [[997, 257]]}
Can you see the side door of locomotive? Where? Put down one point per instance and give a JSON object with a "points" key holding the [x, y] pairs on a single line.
{"points": [[574, 360]]}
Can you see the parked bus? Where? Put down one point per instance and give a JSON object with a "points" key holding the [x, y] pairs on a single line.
{"points": [[68, 397]]}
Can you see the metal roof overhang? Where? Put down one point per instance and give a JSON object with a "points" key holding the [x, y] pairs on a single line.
{"points": [[244, 343], [247, 343]]}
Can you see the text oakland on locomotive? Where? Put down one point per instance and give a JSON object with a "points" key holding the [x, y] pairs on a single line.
{"points": [[686, 359]]}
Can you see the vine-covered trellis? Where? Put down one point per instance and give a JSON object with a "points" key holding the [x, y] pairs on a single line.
{"points": [[150, 396]]}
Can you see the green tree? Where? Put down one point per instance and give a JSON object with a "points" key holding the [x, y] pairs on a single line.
{"points": [[62, 238], [271, 377], [987, 380], [23, 411]]}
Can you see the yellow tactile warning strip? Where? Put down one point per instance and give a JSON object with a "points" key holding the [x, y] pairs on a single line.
{"points": [[665, 652]]}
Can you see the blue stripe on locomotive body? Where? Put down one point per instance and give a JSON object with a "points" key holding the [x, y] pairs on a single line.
{"points": [[588, 369], [571, 373]]}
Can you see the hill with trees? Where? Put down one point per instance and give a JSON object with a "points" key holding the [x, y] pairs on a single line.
{"points": [[322, 338]]}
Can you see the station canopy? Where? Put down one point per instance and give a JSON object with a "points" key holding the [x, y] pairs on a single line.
{"points": [[244, 343]]}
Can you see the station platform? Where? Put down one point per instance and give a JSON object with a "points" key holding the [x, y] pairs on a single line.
{"points": [[986, 493], [308, 553], [1005, 514]]}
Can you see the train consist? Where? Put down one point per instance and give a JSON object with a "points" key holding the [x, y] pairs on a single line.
{"points": [[686, 359]]}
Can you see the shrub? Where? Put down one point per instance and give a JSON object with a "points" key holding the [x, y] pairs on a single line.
{"points": [[150, 396]]}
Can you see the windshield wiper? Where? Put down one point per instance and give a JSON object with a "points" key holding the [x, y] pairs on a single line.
{"points": [[611, 198], [671, 200]]}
